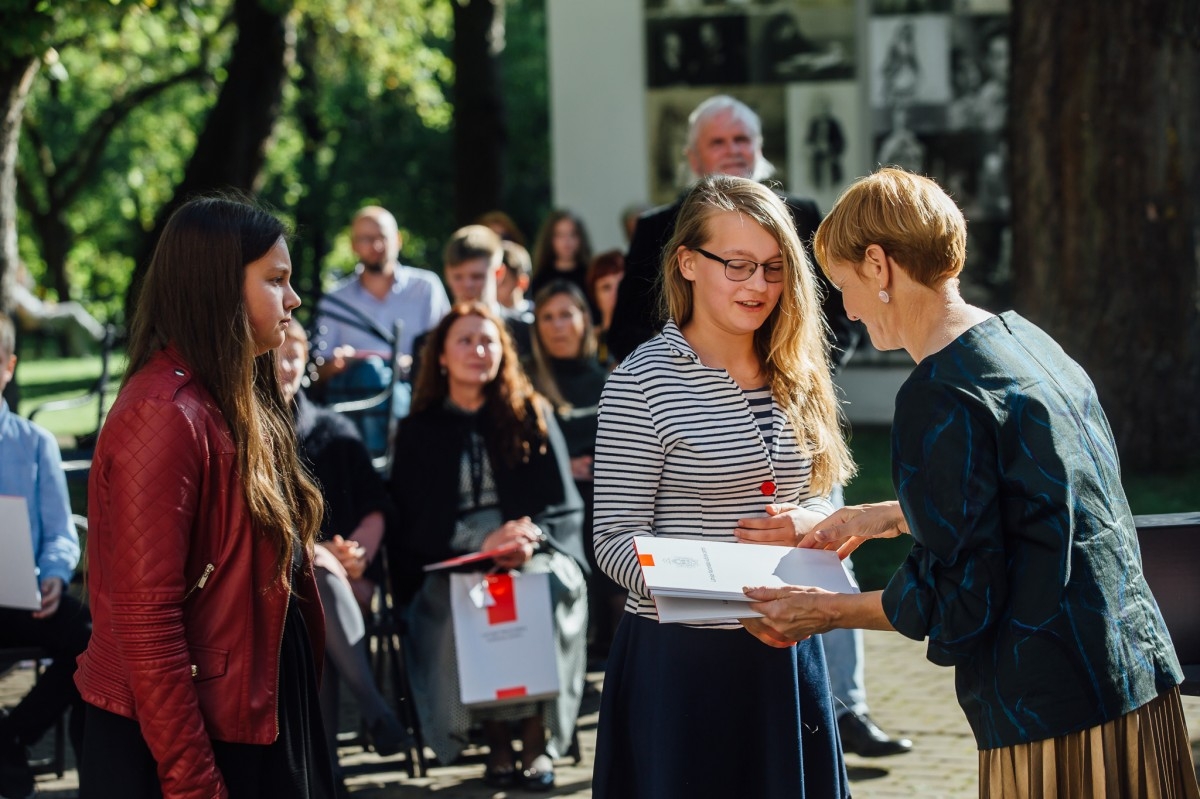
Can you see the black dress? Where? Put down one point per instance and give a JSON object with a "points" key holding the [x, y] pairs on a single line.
{"points": [[117, 763]]}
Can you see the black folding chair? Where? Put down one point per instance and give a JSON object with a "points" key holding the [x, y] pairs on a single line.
{"points": [[10, 658], [387, 635], [374, 407]]}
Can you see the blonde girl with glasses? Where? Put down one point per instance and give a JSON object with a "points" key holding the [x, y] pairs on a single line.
{"points": [[722, 428]]}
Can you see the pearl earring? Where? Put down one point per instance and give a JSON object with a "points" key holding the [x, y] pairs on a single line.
{"points": [[884, 296]]}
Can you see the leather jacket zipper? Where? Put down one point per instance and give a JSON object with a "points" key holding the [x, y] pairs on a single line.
{"points": [[208, 570]]}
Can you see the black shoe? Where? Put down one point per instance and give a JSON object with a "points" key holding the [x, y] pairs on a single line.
{"points": [[539, 776], [388, 737], [862, 737], [502, 777], [16, 778]]}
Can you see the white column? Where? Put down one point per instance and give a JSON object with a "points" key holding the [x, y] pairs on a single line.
{"points": [[597, 111]]}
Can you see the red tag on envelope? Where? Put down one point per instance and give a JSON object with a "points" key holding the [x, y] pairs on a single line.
{"points": [[504, 600]]}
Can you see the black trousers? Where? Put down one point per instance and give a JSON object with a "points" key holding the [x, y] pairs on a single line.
{"points": [[64, 635]]}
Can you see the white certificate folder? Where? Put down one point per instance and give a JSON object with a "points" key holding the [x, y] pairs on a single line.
{"points": [[699, 580], [18, 570]]}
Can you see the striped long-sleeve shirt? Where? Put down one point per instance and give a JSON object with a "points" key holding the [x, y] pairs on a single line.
{"points": [[679, 453]]}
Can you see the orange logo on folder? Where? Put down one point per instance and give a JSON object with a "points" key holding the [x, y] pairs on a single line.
{"points": [[646, 560]]}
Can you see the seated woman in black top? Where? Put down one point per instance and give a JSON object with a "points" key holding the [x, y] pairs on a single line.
{"points": [[352, 530], [564, 369], [479, 463]]}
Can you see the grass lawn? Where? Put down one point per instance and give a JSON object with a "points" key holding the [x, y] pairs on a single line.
{"points": [[66, 378]]}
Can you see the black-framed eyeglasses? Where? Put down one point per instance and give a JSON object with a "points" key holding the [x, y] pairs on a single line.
{"points": [[739, 269]]}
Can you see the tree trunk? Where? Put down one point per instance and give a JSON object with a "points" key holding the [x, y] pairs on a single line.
{"points": [[1105, 141], [230, 151], [56, 238], [480, 127], [313, 208], [16, 78]]}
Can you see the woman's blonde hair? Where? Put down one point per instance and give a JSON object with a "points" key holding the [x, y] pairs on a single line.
{"points": [[908, 215], [192, 299], [792, 344]]}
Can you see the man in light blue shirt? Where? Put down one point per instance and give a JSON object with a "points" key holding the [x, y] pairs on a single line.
{"points": [[31, 467], [351, 355], [381, 289]]}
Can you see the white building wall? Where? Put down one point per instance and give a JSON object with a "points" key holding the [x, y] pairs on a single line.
{"points": [[597, 111]]}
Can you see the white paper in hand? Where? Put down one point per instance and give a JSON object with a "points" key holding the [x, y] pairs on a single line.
{"points": [[699, 580]]}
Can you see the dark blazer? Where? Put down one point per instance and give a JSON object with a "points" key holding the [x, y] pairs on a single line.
{"points": [[424, 488], [637, 318]]}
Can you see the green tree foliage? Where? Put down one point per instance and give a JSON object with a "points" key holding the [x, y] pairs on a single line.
{"points": [[365, 118], [106, 137], [365, 122], [29, 28], [526, 92]]}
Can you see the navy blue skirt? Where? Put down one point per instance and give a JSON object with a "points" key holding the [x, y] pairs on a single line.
{"points": [[696, 713]]}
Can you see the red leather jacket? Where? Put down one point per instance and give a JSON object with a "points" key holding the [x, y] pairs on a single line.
{"points": [[187, 614]]}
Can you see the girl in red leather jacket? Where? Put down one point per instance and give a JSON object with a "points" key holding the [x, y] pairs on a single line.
{"points": [[201, 675]]}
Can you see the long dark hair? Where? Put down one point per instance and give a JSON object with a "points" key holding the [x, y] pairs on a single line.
{"points": [[543, 250], [192, 299], [516, 425]]}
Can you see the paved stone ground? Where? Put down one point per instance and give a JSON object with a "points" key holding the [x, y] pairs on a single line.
{"points": [[908, 696]]}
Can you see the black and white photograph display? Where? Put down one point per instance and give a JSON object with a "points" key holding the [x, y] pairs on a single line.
{"points": [[696, 51], [925, 88], [826, 139], [980, 64], [882, 7], [910, 61], [803, 42], [899, 144]]}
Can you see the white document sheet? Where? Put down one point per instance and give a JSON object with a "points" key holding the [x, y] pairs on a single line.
{"points": [[18, 570], [698, 569]]}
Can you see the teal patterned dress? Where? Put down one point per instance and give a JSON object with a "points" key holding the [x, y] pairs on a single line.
{"points": [[1025, 573]]}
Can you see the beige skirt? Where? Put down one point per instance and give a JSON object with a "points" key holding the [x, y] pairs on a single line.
{"points": [[1144, 754]]}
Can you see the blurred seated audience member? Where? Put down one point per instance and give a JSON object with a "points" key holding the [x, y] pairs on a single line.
{"points": [[481, 463], [473, 265], [356, 510], [353, 362], [564, 369], [510, 292], [31, 467], [77, 330], [562, 251], [503, 226], [603, 279]]}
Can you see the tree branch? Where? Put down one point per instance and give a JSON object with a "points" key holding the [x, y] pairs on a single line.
{"points": [[25, 196], [82, 164]]}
